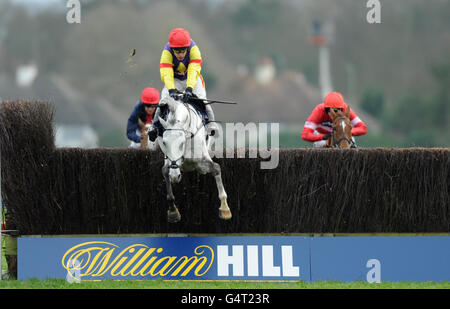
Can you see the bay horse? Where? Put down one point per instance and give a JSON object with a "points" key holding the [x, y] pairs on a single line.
{"points": [[145, 142], [185, 148]]}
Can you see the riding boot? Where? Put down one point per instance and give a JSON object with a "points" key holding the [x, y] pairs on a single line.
{"points": [[211, 126]]}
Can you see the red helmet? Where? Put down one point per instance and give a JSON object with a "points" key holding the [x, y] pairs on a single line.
{"points": [[150, 96], [179, 37], [334, 99]]}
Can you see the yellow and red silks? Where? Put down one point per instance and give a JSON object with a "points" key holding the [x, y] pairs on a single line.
{"points": [[170, 67]]}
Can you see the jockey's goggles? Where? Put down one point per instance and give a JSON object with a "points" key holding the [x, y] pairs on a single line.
{"points": [[180, 50], [327, 109], [150, 105]]}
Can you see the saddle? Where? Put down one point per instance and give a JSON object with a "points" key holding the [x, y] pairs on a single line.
{"points": [[200, 107]]}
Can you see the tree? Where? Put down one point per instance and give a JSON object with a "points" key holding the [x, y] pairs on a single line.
{"points": [[441, 74], [372, 102], [38, 38]]}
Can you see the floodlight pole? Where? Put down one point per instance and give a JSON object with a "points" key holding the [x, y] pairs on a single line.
{"points": [[319, 38], [324, 70]]}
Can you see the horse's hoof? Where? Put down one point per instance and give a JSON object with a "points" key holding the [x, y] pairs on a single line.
{"points": [[225, 214], [173, 216]]}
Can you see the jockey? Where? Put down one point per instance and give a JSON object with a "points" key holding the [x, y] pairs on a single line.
{"points": [[180, 66], [141, 115], [319, 125]]}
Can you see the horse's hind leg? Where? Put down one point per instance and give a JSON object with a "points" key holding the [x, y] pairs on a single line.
{"points": [[224, 210], [173, 215]]}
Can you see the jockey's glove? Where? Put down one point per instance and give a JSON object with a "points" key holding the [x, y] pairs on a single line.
{"points": [[326, 137], [173, 93], [187, 94]]}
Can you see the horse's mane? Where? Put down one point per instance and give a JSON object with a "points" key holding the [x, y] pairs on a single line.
{"points": [[171, 115]]}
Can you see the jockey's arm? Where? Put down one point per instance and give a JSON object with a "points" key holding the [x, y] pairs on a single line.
{"points": [[311, 124], [309, 136], [359, 127], [166, 69], [132, 126], [194, 67], [131, 133]]}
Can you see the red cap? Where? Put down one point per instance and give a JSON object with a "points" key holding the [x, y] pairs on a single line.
{"points": [[150, 96], [179, 37], [334, 99]]}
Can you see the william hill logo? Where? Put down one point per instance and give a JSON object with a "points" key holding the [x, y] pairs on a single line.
{"points": [[100, 260]]}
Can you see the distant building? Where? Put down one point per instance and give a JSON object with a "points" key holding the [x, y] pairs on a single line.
{"points": [[242, 70], [265, 71], [26, 75], [71, 105], [81, 136]]}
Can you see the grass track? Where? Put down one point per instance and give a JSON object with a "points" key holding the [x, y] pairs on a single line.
{"points": [[160, 284]]}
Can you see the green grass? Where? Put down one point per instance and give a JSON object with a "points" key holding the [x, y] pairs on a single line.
{"points": [[4, 266], [160, 284]]}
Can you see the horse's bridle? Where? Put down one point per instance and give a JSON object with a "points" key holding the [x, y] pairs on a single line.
{"points": [[173, 163], [336, 144]]}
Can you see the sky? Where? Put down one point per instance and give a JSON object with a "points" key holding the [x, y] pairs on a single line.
{"points": [[36, 2], [33, 5]]}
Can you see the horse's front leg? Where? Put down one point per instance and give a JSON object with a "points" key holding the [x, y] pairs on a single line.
{"points": [[173, 215], [224, 210]]}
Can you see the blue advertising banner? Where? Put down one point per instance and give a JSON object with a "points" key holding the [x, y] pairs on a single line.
{"points": [[168, 258], [376, 259], [280, 258]]}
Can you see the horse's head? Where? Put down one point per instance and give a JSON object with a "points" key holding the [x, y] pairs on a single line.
{"points": [[174, 137], [342, 129]]}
